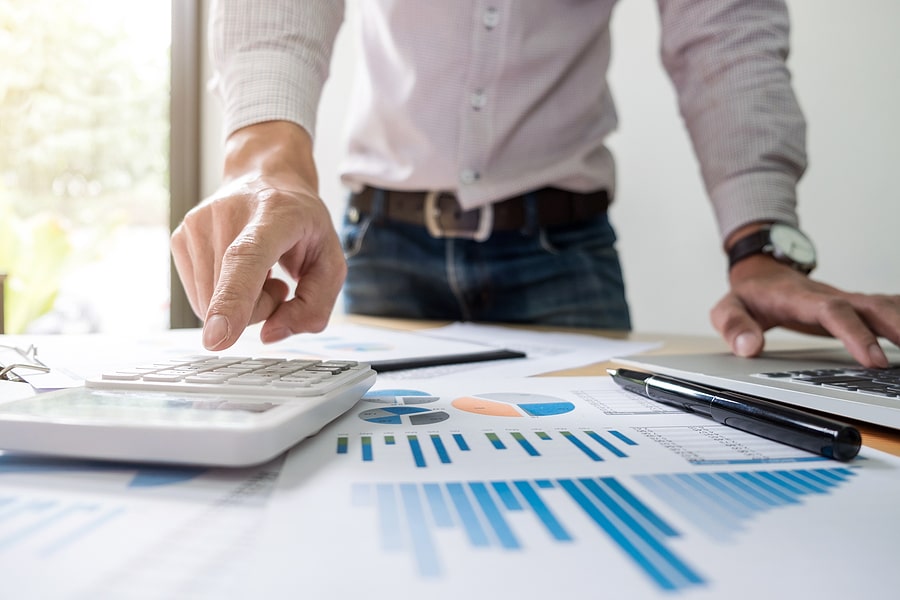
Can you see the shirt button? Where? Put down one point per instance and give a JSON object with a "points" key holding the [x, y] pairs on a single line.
{"points": [[468, 176], [478, 99], [491, 17]]}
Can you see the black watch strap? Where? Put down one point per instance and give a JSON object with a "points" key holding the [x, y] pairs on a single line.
{"points": [[782, 242], [750, 244]]}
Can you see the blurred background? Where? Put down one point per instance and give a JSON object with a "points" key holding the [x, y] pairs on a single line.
{"points": [[107, 135], [84, 164]]}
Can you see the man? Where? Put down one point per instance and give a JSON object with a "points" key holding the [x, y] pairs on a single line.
{"points": [[480, 175]]}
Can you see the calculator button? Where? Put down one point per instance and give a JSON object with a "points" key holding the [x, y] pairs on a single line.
{"points": [[302, 383], [324, 369], [250, 380], [123, 375], [257, 377], [207, 378], [163, 376]]}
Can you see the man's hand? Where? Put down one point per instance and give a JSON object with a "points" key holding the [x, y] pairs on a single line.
{"points": [[766, 294], [266, 212]]}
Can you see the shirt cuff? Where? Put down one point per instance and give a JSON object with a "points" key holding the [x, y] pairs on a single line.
{"points": [[269, 86], [753, 197]]}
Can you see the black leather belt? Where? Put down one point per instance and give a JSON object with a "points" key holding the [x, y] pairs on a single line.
{"points": [[442, 215]]}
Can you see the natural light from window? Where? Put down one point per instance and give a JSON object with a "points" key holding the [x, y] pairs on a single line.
{"points": [[84, 199]]}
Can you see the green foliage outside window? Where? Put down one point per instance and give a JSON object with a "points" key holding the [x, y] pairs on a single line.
{"points": [[83, 138]]}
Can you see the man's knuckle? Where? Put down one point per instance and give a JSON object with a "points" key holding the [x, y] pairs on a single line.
{"points": [[834, 306], [246, 248]]}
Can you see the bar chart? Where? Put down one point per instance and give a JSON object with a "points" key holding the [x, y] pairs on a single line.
{"points": [[46, 526], [483, 513], [595, 445], [722, 504], [107, 529]]}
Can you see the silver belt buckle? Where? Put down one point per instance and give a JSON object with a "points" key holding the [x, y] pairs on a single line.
{"points": [[433, 213]]}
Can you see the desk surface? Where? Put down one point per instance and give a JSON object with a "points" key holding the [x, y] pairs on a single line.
{"points": [[463, 518], [881, 438]]}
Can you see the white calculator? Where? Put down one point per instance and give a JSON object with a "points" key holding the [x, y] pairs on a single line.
{"points": [[201, 410]]}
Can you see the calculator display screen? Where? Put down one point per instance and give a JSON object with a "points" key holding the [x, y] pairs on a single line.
{"points": [[85, 403]]}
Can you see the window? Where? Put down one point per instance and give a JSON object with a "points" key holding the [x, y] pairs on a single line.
{"points": [[85, 164]]}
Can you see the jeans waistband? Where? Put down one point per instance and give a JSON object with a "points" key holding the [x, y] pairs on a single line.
{"points": [[442, 215]]}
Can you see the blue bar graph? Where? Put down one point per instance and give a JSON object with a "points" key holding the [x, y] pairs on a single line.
{"points": [[420, 537], [542, 512], [526, 445], [416, 449], [410, 514], [366, 448], [644, 545], [581, 446], [722, 504], [495, 441], [605, 443], [597, 446], [718, 503], [440, 448], [438, 504], [49, 524], [467, 515], [621, 436]]}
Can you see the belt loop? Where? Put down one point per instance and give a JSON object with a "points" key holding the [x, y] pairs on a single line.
{"points": [[379, 200], [532, 217]]}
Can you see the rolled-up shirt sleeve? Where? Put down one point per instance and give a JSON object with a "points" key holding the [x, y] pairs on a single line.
{"points": [[271, 58], [727, 60]]}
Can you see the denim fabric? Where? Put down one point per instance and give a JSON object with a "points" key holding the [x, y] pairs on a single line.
{"points": [[565, 276]]}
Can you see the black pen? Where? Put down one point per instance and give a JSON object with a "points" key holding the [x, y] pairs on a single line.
{"points": [[784, 424], [417, 362]]}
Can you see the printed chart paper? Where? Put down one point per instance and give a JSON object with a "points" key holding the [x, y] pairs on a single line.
{"points": [[73, 358], [568, 487], [547, 350], [87, 529]]}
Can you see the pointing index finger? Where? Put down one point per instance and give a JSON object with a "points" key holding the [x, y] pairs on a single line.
{"points": [[245, 266]]}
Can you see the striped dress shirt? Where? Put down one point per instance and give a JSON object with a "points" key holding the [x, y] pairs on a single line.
{"points": [[492, 98]]}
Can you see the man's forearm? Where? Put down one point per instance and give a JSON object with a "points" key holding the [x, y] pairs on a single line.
{"points": [[274, 149]]}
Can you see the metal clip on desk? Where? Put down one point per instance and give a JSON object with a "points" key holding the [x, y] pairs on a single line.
{"points": [[23, 359]]}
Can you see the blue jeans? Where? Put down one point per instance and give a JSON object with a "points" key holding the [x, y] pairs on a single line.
{"points": [[563, 276]]}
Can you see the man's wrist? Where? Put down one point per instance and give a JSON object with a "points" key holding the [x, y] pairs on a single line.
{"points": [[272, 149], [744, 231], [779, 242]]}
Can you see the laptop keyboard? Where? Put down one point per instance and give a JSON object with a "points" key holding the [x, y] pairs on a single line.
{"points": [[880, 382]]}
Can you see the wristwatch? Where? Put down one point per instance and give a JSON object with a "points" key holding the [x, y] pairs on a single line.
{"points": [[784, 243]]}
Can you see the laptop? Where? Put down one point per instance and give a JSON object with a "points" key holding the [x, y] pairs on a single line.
{"points": [[823, 379]]}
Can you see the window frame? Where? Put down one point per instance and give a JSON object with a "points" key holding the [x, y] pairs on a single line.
{"points": [[185, 149]]}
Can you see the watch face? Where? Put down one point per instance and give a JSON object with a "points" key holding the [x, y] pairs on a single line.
{"points": [[792, 244]]}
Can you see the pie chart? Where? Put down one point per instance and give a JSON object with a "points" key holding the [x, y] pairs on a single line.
{"points": [[503, 404], [399, 407], [399, 397], [403, 415]]}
